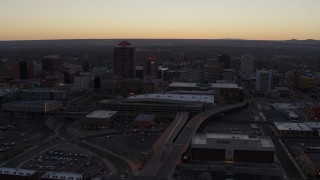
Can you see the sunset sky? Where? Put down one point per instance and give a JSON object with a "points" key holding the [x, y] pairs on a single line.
{"points": [[179, 19]]}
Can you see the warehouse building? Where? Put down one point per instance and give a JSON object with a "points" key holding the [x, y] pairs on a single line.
{"points": [[99, 119], [293, 129], [232, 147], [9, 173], [143, 121], [160, 104], [62, 175], [39, 106]]}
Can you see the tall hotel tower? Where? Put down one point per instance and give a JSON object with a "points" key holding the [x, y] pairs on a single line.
{"points": [[124, 61]]}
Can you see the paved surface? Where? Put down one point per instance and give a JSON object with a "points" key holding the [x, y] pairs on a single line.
{"points": [[164, 142], [288, 165], [182, 142], [121, 165], [63, 135]]}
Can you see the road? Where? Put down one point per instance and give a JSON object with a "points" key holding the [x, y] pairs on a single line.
{"points": [[117, 162], [64, 136], [163, 143], [184, 139], [286, 162]]}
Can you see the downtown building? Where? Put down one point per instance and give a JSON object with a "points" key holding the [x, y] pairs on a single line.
{"points": [[23, 70], [52, 70], [124, 61], [150, 68], [232, 147], [263, 81], [213, 71], [247, 65]]}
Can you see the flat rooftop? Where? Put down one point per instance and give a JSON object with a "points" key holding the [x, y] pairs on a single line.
{"points": [[286, 126], [313, 125], [283, 106], [33, 103], [218, 139], [101, 114], [4, 91], [41, 90], [208, 85], [175, 97], [15, 171], [62, 175], [145, 117]]}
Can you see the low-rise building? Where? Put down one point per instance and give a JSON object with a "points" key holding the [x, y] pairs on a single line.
{"points": [[42, 94], [144, 121], [160, 104], [232, 147], [224, 92], [39, 106], [9, 94], [283, 106], [8, 173], [293, 129], [62, 175], [99, 119]]}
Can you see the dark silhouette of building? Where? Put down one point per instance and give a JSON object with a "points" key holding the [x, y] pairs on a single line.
{"points": [[225, 60], [51, 63], [23, 70], [150, 69], [52, 70], [212, 71], [124, 61]]}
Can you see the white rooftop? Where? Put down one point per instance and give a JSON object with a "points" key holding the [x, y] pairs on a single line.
{"points": [[291, 114], [231, 140], [101, 114], [284, 106], [15, 171], [313, 125], [225, 85], [62, 175], [285, 126], [209, 85], [176, 97], [4, 91]]}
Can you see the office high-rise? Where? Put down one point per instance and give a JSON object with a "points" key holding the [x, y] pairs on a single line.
{"points": [[124, 61], [225, 60], [52, 70], [23, 70], [150, 69], [263, 80], [247, 64]]}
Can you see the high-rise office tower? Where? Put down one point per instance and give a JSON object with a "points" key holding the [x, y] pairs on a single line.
{"points": [[124, 61], [263, 80], [23, 70], [225, 60], [52, 70], [212, 71], [150, 68], [247, 64]]}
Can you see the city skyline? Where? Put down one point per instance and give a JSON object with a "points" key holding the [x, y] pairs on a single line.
{"points": [[81, 19]]}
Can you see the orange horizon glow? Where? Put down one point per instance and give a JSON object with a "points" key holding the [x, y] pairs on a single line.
{"points": [[174, 19]]}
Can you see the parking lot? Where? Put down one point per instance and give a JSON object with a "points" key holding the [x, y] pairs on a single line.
{"points": [[238, 122], [135, 146], [18, 133], [68, 158]]}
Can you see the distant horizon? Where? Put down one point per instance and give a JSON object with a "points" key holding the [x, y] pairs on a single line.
{"points": [[226, 39], [167, 19]]}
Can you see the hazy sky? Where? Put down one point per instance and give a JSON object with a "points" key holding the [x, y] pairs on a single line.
{"points": [[213, 19]]}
